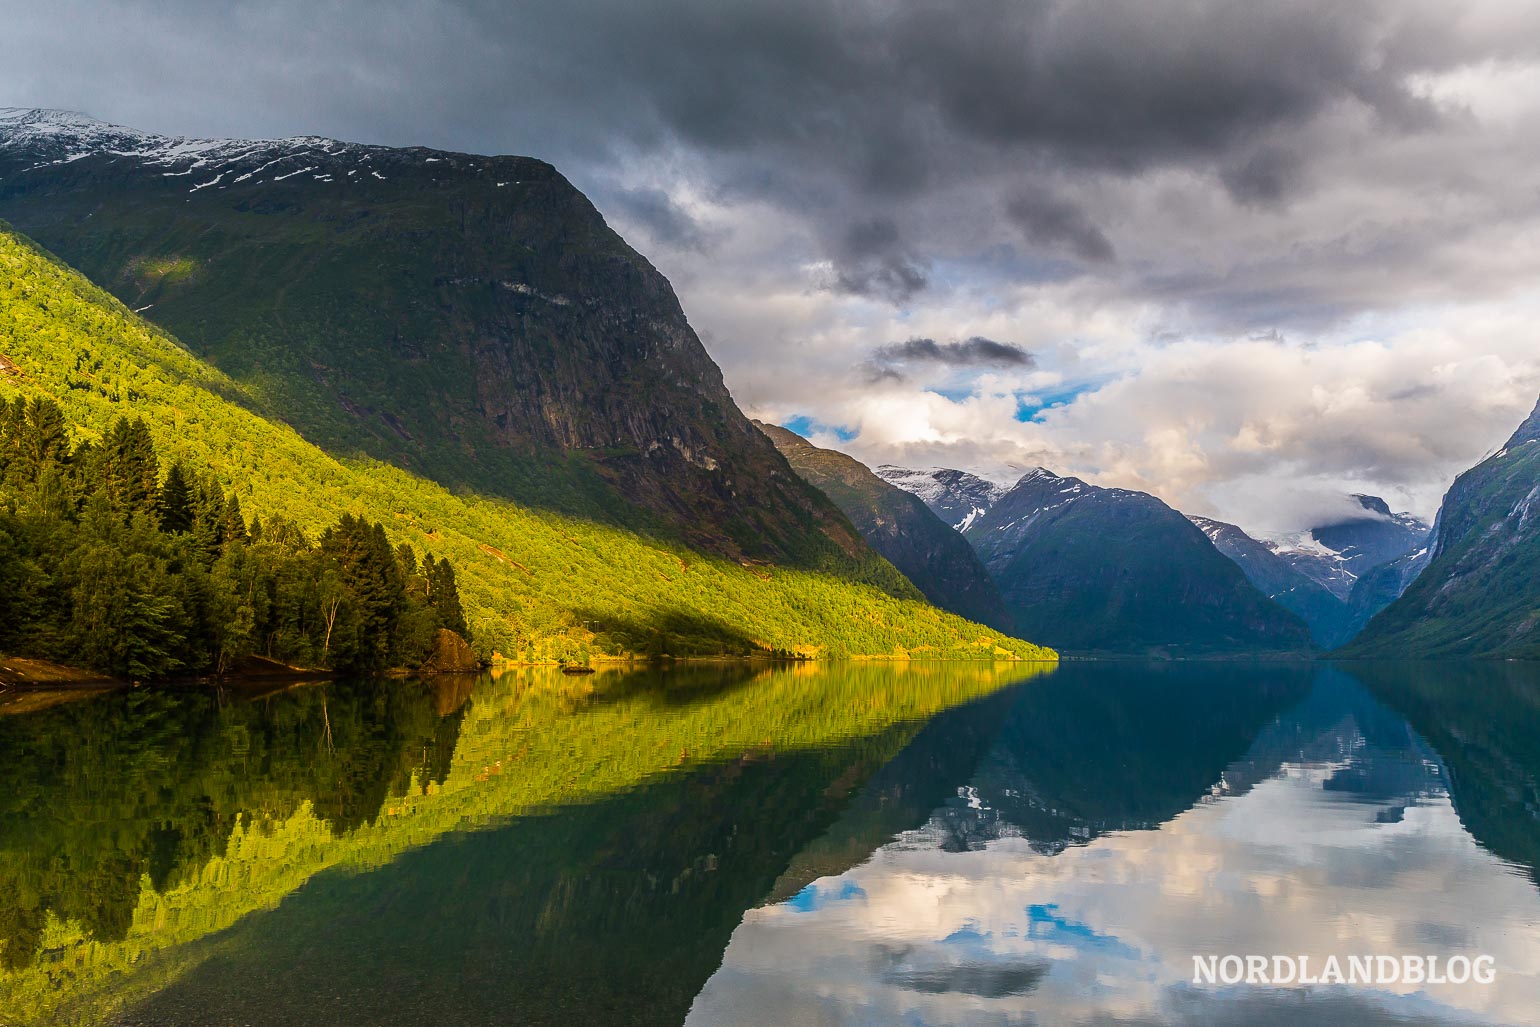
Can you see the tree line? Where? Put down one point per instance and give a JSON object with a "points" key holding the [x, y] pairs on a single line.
{"points": [[108, 563]]}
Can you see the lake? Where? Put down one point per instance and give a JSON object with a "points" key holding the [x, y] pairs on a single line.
{"points": [[748, 844]]}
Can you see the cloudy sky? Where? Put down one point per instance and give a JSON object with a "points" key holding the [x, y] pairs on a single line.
{"points": [[1247, 256]]}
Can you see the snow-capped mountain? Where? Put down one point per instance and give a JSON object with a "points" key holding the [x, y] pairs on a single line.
{"points": [[957, 497], [1102, 569], [35, 139], [1336, 554]]}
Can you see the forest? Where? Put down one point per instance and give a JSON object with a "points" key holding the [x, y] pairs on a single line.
{"points": [[115, 560]]}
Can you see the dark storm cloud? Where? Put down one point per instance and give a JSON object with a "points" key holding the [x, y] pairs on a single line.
{"points": [[892, 132], [973, 352], [872, 260], [1264, 176], [1052, 222], [664, 219]]}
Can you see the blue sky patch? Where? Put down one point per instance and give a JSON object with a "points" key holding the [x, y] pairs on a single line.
{"points": [[1031, 405], [806, 427]]}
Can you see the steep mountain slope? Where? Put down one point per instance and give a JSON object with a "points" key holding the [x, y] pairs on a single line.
{"points": [[534, 584], [1480, 592], [471, 319], [1096, 569], [900, 527], [957, 497], [1336, 554], [1380, 587], [1280, 580]]}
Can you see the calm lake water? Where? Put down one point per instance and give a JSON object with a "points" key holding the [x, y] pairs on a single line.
{"points": [[856, 844]]}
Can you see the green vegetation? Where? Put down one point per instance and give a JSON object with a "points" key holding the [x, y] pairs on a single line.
{"points": [[221, 809], [104, 566], [535, 585]]}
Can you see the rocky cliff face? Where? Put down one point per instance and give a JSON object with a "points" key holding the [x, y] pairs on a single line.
{"points": [[1094, 569], [1480, 594], [901, 528], [470, 318]]}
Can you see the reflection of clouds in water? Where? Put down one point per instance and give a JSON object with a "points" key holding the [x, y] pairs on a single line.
{"points": [[1108, 930]]}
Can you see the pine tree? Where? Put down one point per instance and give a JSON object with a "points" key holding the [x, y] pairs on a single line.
{"points": [[444, 594], [175, 504], [130, 471]]}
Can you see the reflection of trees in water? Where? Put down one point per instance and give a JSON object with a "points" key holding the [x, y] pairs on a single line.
{"points": [[101, 793]]}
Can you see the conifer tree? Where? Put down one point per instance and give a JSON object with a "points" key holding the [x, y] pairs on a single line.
{"points": [[175, 504]]}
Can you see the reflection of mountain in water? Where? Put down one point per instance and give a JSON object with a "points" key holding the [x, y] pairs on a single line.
{"points": [[1122, 749], [1484, 720]]}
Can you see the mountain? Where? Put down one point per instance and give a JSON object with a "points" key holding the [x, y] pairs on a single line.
{"points": [[1380, 587], [470, 319], [1339, 552], [534, 584], [1479, 594], [1280, 580], [901, 528], [1097, 569], [957, 497]]}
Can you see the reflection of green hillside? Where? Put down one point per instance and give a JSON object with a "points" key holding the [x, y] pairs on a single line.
{"points": [[525, 741], [1484, 720]]}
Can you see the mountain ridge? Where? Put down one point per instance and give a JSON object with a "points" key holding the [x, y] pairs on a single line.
{"points": [[471, 319], [1117, 571]]}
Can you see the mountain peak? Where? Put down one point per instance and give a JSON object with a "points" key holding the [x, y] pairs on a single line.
{"points": [[1529, 431], [1374, 504], [1038, 473]]}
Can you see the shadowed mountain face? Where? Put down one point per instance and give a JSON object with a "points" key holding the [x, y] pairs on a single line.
{"points": [[1335, 577], [470, 318], [1279, 580], [1480, 593], [901, 528], [1093, 569]]}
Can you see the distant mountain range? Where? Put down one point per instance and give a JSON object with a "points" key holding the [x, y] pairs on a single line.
{"points": [[957, 497], [1099, 570], [1333, 576]]}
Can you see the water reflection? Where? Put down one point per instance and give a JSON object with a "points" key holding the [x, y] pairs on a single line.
{"points": [[143, 830], [1125, 820], [736, 844]]}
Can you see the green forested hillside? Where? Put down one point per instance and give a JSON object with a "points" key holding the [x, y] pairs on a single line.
{"points": [[534, 584]]}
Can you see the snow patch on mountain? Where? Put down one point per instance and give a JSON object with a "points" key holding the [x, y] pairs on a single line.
{"points": [[53, 137]]}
